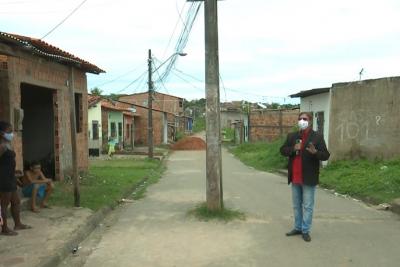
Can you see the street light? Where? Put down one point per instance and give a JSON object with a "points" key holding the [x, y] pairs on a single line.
{"points": [[150, 98]]}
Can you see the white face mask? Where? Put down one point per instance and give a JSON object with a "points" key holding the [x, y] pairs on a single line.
{"points": [[303, 124], [8, 136]]}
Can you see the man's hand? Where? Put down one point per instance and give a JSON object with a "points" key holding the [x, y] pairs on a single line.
{"points": [[311, 148], [1, 221], [297, 147]]}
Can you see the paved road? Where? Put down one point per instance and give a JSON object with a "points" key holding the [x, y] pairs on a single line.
{"points": [[156, 231]]}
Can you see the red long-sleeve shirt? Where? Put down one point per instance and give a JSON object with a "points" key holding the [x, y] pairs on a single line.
{"points": [[297, 168]]}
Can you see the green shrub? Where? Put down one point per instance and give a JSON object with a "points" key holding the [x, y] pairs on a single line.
{"points": [[262, 155]]}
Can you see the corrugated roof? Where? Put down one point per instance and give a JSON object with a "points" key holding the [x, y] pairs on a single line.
{"points": [[311, 92], [46, 50]]}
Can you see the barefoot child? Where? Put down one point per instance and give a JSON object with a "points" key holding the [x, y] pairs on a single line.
{"points": [[36, 184]]}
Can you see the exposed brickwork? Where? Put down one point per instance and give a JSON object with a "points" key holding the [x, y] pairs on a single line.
{"points": [[161, 101], [33, 70], [270, 124]]}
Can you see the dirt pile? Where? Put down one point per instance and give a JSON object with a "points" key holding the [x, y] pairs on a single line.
{"points": [[189, 143]]}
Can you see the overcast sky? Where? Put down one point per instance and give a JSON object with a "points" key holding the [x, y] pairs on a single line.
{"points": [[269, 49]]}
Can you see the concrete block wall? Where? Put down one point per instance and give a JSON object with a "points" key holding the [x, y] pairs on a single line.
{"points": [[364, 119]]}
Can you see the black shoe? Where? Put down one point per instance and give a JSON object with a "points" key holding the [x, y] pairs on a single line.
{"points": [[306, 237], [293, 232]]}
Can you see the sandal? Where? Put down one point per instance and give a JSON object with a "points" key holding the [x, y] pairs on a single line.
{"points": [[22, 227]]}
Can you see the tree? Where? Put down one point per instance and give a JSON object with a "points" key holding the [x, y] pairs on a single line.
{"points": [[96, 91]]}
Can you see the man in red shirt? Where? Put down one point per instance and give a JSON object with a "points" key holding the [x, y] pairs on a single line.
{"points": [[305, 149]]}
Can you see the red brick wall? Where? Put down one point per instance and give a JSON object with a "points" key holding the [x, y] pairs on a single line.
{"points": [[161, 101], [271, 124], [37, 71]]}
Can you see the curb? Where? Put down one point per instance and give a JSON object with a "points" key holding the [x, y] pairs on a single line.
{"points": [[282, 172], [84, 231], [395, 206]]}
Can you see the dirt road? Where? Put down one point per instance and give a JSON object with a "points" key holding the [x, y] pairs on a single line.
{"points": [[156, 230]]}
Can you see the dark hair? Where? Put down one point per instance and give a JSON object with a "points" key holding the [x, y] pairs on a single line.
{"points": [[4, 125], [308, 114], [34, 163]]}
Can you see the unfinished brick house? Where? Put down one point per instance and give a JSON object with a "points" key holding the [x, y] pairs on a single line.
{"points": [[168, 117], [36, 80], [164, 102]]}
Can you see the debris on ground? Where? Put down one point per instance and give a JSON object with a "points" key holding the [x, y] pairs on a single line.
{"points": [[384, 206], [189, 143]]}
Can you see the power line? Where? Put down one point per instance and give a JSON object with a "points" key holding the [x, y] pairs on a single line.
{"points": [[119, 77], [176, 25], [67, 17], [183, 79], [126, 87], [184, 36]]}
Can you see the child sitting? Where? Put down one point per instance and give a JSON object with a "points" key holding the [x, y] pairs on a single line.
{"points": [[36, 184]]}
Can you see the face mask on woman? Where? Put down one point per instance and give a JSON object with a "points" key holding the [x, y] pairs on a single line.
{"points": [[8, 136], [303, 124]]}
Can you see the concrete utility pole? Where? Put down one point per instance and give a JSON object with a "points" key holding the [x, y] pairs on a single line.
{"points": [[75, 175], [150, 106], [213, 122]]}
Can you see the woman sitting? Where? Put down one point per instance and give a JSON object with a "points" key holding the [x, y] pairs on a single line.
{"points": [[35, 184]]}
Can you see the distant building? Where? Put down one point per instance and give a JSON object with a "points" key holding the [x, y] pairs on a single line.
{"points": [[109, 121], [168, 116]]}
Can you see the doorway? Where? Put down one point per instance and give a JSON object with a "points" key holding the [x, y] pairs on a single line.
{"points": [[38, 127]]}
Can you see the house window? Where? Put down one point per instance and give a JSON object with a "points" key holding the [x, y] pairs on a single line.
{"points": [[95, 130], [78, 112], [119, 129], [113, 129], [180, 103]]}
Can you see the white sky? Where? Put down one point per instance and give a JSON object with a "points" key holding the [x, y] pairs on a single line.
{"points": [[268, 49]]}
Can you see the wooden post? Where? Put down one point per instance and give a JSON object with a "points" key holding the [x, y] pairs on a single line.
{"points": [[213, 122], [75, 175]]}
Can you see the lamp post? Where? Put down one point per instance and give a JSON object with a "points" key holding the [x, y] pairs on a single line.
{"points": [[150, 98]]}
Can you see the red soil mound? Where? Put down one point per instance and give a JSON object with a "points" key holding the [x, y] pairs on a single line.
{"points": [[189, 143]]}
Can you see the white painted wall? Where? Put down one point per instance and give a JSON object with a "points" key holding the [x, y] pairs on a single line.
{"points": [[94, 114], [318, 103]]}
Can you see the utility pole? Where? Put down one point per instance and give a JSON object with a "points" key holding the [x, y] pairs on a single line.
{"points": [[75, 176], [213, 122], [150, 106]]}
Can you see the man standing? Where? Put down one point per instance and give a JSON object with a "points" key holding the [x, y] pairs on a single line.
{"points": [[305, 149]]}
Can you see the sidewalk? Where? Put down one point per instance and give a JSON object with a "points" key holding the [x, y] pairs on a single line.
{"points": [[54, 231]]}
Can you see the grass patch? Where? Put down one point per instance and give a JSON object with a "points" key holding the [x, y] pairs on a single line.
{"points": [[202, 213], [107, 181], [373, 181], [199, 124], [261, 155], [228, 134]]}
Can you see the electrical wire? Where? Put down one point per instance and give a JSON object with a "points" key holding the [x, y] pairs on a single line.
{"points": [[126, 87], [119, 77], [184, 36], [62, 21], [176, 25]]}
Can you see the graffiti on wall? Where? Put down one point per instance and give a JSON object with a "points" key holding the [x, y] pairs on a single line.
{"points": [[358, 124]]}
